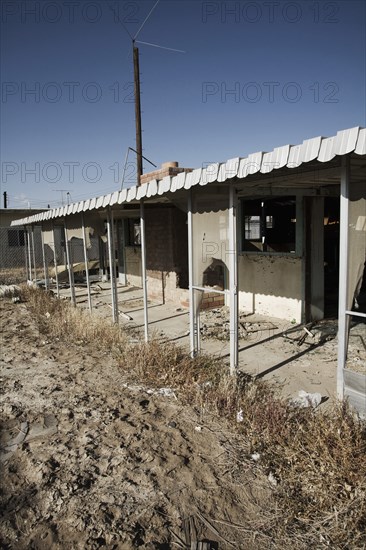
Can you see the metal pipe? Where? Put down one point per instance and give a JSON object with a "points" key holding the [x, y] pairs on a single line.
{"points": [[112, 273], [45, 269], [34, 256], [26, 251], [86, 262], [192, 336], [204, 289], [29, 255], [114, 265], [143, 268], [356, 313], [233, 281], [55, 260], [70, 268], [343, 321]]}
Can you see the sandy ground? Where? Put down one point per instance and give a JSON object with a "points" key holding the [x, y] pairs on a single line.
{"points": [[89, 460]]}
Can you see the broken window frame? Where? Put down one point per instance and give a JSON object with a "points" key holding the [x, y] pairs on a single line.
{"points": [[133, 232], [266, 223]]}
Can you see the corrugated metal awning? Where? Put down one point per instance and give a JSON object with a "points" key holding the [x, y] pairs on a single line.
{"points": [[290, 156]]}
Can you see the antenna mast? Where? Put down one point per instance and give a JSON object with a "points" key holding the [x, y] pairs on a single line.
{"points": [[136, 71], [136, 68]]}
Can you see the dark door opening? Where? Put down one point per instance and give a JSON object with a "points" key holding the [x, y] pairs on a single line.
{"points": [[331, 256]]}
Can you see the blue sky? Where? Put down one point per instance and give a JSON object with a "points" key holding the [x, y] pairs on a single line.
{"points": [[255, 75]]}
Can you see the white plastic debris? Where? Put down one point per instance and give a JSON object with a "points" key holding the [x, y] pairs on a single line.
{"points": [[255, 457], [198, 428], [306, 399], [273, 481], [9, 290], [166, 392], [47, 315], [239, 416]]}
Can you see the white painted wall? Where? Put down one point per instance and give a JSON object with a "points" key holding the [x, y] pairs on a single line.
{"points": [[210, 241], [271, 285], [268, 284]]}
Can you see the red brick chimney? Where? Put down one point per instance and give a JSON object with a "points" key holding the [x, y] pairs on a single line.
{"points": [[167, 169]]}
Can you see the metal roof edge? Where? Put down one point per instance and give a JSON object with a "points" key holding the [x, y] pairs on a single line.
{"points": [[322, 149]]}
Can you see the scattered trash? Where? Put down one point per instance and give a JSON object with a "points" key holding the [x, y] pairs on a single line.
{"points": [[47, 315], [306, 399], [239, 416], [273, 481], [198, 428], [9, 290], [308, 332], [215, 323], [172, 424], [166, 392], [255, 457], [312, 333]]}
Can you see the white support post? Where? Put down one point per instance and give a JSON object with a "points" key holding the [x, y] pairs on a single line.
{"points": [[112, 265], [29, 255], [143, 267], [233, 281], [34, 256], [55, 260], [26, 251], [86, 262], [343, 321], [192, 310], [70, 267], [45, 268]]}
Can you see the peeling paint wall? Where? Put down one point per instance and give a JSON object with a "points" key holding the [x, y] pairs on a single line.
{"points": [[271, 285], [268, 284], [210, 242]]}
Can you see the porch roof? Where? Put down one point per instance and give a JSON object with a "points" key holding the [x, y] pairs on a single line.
{"points": [[323, 150]]}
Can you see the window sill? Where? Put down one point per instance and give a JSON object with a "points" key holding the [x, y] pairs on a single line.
{"points": [[278, 254]]}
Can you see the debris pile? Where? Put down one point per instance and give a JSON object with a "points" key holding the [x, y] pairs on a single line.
{"points": [[215, 323]]}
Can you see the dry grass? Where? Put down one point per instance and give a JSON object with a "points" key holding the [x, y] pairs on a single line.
{"points": [[317, 457], [58, 319], [12, 275]]}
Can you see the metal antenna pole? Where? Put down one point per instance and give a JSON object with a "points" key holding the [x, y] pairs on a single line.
{"points": [[136, 68]]}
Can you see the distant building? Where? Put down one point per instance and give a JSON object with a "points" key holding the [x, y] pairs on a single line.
{"points": [[12, 239]]}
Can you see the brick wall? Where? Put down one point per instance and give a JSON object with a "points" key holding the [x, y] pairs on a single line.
{"points": [[166, 253], [161, 173]]}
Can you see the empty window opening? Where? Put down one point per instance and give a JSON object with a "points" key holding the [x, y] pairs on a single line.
{"points": [[15, 237], [269, 225]]}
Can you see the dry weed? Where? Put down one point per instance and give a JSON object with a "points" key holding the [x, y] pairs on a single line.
{"points": [[317, 458]]}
